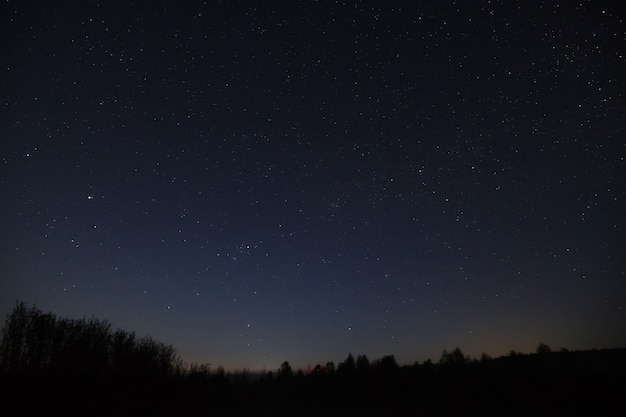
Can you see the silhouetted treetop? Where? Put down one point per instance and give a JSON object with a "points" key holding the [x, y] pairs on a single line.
{"points": [[285, 370], [34, 341], [543, 348], [362, 363], [348, 366], [386, 364], [456, 357]]}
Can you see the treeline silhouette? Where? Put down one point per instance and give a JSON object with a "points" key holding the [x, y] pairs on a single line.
{"points": [[34, 341], [51, 365]]}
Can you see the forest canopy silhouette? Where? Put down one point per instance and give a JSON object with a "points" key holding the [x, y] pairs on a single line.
{"points": [[46, 360], [36, 341]]}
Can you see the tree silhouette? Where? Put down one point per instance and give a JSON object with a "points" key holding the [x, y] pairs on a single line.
{"points": [[330, 367], [543, 348], [32, 341], [317, 370], [456, 357], [387, 364], [362, 363], [347, 366], [285, 370], [45, 359]]}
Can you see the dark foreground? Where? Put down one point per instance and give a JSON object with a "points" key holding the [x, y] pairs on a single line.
{"points": [[547, 384], [57, 366]]}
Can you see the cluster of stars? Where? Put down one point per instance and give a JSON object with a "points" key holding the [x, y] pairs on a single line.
{"points": [[331, 175]]}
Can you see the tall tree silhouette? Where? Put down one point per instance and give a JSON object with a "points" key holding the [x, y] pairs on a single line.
{"points": [[362, 363], [348, 366], [285, 370]]}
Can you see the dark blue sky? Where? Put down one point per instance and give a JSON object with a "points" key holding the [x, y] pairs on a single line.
{"points": [[256, 182]]}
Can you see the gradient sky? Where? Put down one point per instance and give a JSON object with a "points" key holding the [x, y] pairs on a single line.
{"points": [[256, 182]]}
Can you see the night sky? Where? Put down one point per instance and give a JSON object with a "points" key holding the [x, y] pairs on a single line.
{"points": [[255, 182]]}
